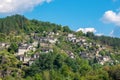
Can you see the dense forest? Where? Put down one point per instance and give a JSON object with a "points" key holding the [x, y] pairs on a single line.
{"points": [[64, 62], [18, 24]]}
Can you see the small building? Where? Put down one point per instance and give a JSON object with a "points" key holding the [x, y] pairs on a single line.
{"points": [[22, 49], [70, 54], [24, 58], [2, 44], [52, 40], [84, 55], [36, 55], [35, 43], [41, 39], [71, 35], [46, 50], [51, 33], [106, 58], [57, 34]]}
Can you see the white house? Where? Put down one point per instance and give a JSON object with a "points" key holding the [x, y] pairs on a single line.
{"points": [[22, 49], [24, 58], [52, 40]]}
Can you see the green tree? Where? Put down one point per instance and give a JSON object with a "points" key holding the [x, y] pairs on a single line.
{"points": [[90, 35], [9, 65], [38, 77], [66, 29], [13, 47], [58, 62], [79, 33]]}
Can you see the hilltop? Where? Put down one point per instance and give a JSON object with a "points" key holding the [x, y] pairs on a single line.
{"points": [[19, 24]]}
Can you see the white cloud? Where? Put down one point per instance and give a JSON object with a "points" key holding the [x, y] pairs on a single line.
{"points": [[99, 34], [85, 30], [18, 6], [111, 17]]}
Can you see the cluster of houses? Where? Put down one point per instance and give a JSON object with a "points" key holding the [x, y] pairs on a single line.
{"points": [[24, 49], [72, 38], [103, 59], [51, 40], [92, 49], [25, 55]]}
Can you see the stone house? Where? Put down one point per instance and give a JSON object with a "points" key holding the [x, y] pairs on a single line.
{"points": [[46, 50], [70, 54], [51, 33], [71, 35], [84, 55], [24, 58], [52, 40], [35, 43], [28, 60], [4, 45], [23, 48], [36, 55]]}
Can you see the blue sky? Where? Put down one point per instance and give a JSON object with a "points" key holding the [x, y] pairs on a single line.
{"points": [[102, 15]]}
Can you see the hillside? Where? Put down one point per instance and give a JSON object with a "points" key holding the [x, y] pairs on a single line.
{"points": [[18, 24], [36, 50]]}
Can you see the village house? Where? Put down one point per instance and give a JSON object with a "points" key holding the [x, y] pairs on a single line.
{"points": [[77, 40], [44, 44], [36, 55], [70, 54], [84, 55], [52, 40], [51, 33], [83, 40], [47, 39], [106, 58], [35, 43], [4, 45], [57, 33], [28, 60], [40, 39], [71, 37], [43, 39], [46, 50], [103, 59], [23, 48], [24, 58]]}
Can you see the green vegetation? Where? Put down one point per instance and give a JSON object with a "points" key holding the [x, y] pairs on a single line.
{"points": [[110, 41], [13, 48], [69, 60]]}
